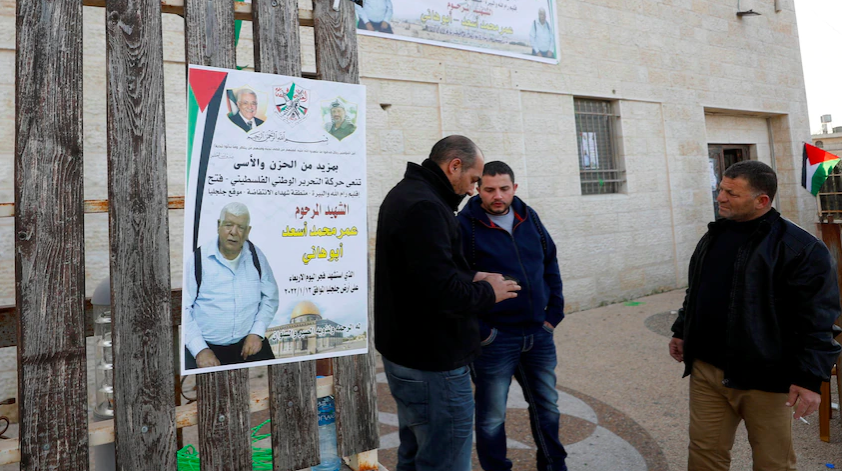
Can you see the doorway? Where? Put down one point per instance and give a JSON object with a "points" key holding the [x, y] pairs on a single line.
{"points": [[720, 157]]}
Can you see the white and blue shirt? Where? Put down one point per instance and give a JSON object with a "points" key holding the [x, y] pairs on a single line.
{"points": [[541, 36], [233, 301], [375, 11]]}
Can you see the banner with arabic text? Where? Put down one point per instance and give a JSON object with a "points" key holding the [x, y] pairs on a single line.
{"points": [[524, 29], [275, 238]]}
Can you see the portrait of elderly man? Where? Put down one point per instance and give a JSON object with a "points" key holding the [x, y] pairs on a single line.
{"points": [[375, 15], [541, 36], [247, 105], [233, 296], [339, 126]]}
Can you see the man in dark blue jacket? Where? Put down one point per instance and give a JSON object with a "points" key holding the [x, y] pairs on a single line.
{"points": [[501, 234]]}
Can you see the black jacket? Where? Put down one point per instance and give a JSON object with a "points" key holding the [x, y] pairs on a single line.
{"points": [[528, 254], [784, 300], [425, 301]]}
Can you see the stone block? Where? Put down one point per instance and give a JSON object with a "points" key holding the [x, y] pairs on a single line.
{"points": [[391, 142]]}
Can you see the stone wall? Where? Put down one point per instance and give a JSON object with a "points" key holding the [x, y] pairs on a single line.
{"points": [[683, 73]]}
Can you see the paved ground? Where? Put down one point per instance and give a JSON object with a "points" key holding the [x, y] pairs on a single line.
{"points": [[623, 400]]}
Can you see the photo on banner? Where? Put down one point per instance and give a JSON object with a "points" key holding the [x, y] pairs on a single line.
{"points": [[524, 29], [275, 236]]}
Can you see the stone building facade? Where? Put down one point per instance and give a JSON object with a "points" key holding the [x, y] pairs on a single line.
{"points": [[676, 76]]}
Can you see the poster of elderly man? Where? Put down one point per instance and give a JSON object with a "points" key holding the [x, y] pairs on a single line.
{"points": [[524, 29], [275, 237]]}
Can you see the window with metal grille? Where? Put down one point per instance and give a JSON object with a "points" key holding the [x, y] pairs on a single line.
{"points": [[599, 169], [830, 195]]}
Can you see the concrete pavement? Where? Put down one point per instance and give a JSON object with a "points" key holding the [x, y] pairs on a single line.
{"points": [[624, 404]]}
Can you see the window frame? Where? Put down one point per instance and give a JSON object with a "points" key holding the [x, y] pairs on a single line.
{"points": [[587, 117]]}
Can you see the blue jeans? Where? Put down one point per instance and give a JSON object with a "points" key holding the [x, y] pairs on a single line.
{"points": [[435, 416], [531, 359]]}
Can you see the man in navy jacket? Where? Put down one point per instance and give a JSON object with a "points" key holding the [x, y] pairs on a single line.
{"points": [[501, 234]]}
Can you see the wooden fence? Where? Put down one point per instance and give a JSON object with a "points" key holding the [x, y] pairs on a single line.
{"points": [[50, 308]]}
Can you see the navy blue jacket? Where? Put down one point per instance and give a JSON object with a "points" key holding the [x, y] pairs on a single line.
{"points": [[528, 254]]}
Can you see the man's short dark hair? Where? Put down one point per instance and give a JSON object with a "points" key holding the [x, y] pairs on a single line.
{"points": [[760, 177], [455, 147], [492, 169]]}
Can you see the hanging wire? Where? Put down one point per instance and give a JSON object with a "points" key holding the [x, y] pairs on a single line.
{"points": [[5, 419], [190, 400]]}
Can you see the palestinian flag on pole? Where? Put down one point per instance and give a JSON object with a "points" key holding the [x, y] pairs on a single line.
{"points": [[816, 166]]}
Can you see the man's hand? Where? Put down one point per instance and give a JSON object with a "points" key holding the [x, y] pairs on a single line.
{"points": [[677, 349], [252, 345], [503, 289], [481, 275], [369, 26], [206, 358], [549, 326], [384, 25], [805, 401]]}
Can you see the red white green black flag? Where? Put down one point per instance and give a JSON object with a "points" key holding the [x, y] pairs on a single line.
{"points": [[816, 166]]}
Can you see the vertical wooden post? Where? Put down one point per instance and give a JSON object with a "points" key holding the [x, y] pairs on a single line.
{"points": [[825, 413], [356, 407], [831, 234], [292, 386], [49, 236], [223, 397], [144, 417]]}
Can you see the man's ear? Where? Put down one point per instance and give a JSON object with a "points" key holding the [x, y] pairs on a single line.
{"points": [[455, 165], [763, 201]]}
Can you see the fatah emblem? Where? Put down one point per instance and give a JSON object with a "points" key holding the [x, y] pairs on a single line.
{"points": [[292, 102]]}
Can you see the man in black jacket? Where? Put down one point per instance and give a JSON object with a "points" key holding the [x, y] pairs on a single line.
{"points": [[756, 329], [425, 302]]}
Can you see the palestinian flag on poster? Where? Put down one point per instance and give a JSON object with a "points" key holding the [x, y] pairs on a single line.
{"points": [[816, 166], [204, 95]]}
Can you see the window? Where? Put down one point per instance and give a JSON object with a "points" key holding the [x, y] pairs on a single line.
{"points": [[820, 144], [599, 171], [830, 195]]}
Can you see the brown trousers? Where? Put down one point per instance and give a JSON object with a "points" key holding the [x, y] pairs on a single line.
{"points": [[715, 413]]}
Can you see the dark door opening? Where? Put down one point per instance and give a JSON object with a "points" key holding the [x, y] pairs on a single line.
{"points": [[720, 157]]}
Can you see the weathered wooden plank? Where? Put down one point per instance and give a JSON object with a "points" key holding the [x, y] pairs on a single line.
{"points": [[295, 431], [224, 442], [366, 461], [277, 44], [277, 50], [356, 402], [139, 235], [337, 58], [49, 242], [8, 320], [207, 27], [7, 210], [224, 435], [242, 10], [102, 432]]}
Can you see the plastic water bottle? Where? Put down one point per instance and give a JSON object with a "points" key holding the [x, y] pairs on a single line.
{"points": [[327, 436]]}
